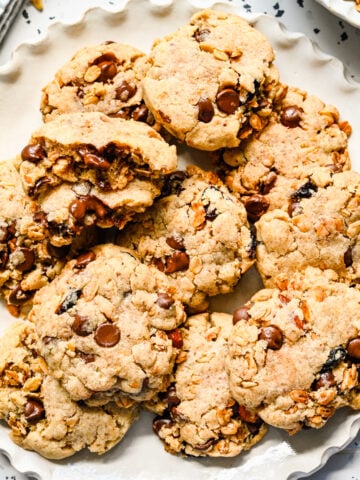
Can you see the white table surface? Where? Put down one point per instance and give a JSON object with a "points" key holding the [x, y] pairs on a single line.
{"points": [[331, 34]]}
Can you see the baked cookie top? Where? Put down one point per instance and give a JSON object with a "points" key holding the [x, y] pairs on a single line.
{"points": [[99, 78], [211, 82], [303, 139], [106, 325], [320, 229], [197, 233], [202, 418], [27, 259], [40, 413], [293, 351]]}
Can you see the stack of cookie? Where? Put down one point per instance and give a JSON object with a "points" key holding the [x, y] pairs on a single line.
{"points": [[110, 251]]}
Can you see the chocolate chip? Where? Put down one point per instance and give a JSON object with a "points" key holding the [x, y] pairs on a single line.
{"points": [[92, 159], [18, 296], [107, 335], [4, 257], [160, 422], [256, 206], [33, 153], [125, 91], [105, 57], [177, 262], [201, 34], [209, 197], [158, 263], [87, 357], [83, 260], [140, 114], [228, 100], [108, 71], [29, 259], [273, 336], [81, 206], [326, 380], [254, 427], [81, 326], [172, 399], [69, 301], [251, 248], [205, 110], [241, 314], [34, 410], [35, 189], [335, 356], [348, 258], [268, 183], [176, 337], [165, 301], [206, 445], [177, 243], [305, 191], [353, 348], [291, 116]]}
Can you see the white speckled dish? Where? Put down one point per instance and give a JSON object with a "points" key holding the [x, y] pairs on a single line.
{"points": [[344, 9], [141, 456]]}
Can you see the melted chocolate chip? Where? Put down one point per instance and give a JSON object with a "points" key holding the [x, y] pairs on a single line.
{"points": [[161, 421], [29, 259], [172, 399], [177, 243], [205, 110], [325, 380], [268, 183], [34, 411], [273, 336], [87, 357], [18, 296], [107, 335], [92, 159], [256, 206], [69, 301], [165, 301], [33, 153], [83, 260], [173, 183], [305, 191], [140, 114], [201, 34], [228, 100], [81, 326], [177, 262], [105, 57], [291, 116], [81, 206], [348, 258], [108, 71], [206, 445], [125, 91]]}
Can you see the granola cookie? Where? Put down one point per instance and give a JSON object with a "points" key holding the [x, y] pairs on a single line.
{"points": [[211, 82], [197, 233], [99, 78], [107, 324], [28, 261], [202, 418], [293, 350], [303, 139], [320, 229], [39, 411], [104, 160]]}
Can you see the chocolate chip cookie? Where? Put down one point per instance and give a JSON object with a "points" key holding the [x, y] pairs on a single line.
{"points": [[201, 418], [212, 82], [293, 351], [197, 233], [320, 228], [27, 259], [99, 78], [39, 411], [115, 167], [303, 139], [108, 324]]}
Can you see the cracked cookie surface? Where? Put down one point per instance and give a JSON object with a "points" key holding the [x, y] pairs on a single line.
{"points": [[99, 78], [304, 139], [212, 81], [106, 326], [39, 411], [201, 417], [197, 233], [292, 350], [102, 158], [320, 229]]}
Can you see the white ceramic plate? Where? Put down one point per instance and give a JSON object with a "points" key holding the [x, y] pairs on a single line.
{"points": [[140, 455], [344, 9]]}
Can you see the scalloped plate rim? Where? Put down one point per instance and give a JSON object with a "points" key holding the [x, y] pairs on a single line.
{"points": [[343, 9]]}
